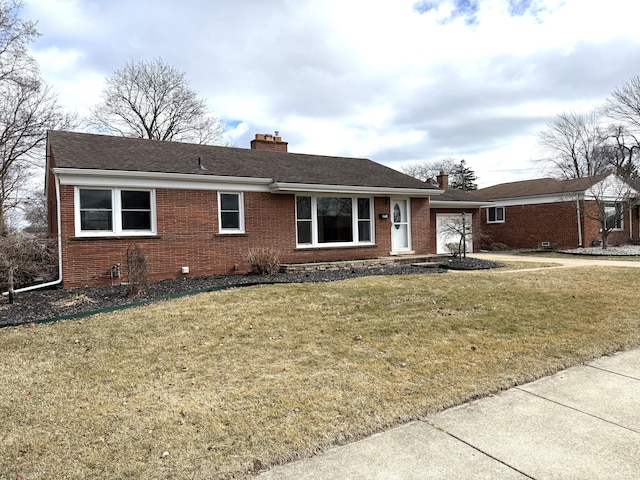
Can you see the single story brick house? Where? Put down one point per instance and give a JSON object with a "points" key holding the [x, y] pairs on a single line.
{"points": [[558, 213], [198, 209]]}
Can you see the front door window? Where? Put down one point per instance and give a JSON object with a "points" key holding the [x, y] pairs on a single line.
{"points": [[400, 233]]}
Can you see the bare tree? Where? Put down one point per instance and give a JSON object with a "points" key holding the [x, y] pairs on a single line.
{"points": [[623, 105], [620, 151], [573, 143], [430, 168], [151, 99], [35, 209], [22, 256], [27, 108]]}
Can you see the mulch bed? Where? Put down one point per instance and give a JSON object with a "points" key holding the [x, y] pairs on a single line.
{"points": [[45, 304]]}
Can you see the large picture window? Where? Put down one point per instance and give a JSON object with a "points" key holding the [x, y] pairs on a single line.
{"points": [[330, 221], [114, 211], [231, 212]]}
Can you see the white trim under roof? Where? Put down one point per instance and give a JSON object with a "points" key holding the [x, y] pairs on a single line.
{"points": [[125, 178], [453, 204], [283, 187]]}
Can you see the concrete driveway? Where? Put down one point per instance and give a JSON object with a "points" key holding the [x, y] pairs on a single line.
{"points": [[562, 260]]}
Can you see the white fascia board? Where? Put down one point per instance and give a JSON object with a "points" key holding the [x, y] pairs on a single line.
{"points": [[279, 187], [124, 178], [451, 204], [564, 197]]}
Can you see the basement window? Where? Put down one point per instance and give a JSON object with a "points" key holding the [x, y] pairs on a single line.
{"points": [[495, 214], [114, 211]]}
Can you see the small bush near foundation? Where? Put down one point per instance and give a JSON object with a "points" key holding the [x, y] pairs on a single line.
{"points": [[497, 247], [264, 260], [138, 270], [455, 249]]}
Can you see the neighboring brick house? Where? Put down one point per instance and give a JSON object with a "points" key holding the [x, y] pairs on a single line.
{"points": [[556, 213], [200, 208], [448, 222]]}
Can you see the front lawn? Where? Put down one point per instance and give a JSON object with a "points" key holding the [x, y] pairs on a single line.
{"points": [[228, 382]]}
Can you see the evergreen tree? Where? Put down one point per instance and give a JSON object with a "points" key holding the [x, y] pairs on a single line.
{"points": [[463, 178]]}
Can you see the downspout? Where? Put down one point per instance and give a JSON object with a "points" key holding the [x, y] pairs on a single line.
{"points": [[631, 224], [579, 223], [59, 279]]}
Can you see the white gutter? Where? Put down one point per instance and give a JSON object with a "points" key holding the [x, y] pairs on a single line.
{"points": [[580, 242], [59, 279]]}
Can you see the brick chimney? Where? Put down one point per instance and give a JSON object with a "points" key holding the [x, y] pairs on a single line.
{"points": [[443, 180], [266, 141]]}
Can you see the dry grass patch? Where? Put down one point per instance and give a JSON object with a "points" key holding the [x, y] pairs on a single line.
{"points": [[222, 383]]}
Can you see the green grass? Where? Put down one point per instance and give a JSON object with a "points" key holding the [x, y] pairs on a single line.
{"points": [[214, 385]]}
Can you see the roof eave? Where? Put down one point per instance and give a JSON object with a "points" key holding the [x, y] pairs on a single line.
{"points": [[454, 204], [70, 174], [284, 187]]}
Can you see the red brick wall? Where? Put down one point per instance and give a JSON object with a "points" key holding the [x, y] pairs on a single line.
{"points": [[187, 236], [526, 226]]}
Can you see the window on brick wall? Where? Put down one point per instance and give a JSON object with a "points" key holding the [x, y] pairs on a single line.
{"points": [[613, 216], [114, 211], [231, 212], [331, 221], [495, 215]]}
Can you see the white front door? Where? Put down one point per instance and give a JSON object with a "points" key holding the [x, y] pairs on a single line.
{"points": [[400, 229], [449, 228]]}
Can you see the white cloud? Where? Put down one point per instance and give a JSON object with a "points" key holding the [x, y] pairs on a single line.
{"points": [[473, 79]]}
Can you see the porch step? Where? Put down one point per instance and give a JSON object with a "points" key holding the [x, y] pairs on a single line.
{"points": [[426, 261], [427, 264]]}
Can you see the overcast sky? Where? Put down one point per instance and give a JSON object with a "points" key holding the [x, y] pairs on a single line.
{"points": [[396, 81]]}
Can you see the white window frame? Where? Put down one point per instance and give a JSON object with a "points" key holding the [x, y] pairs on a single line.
{"points": [[496, 210], [354, 222], [240, 228], [619, 207], [116, 212]]}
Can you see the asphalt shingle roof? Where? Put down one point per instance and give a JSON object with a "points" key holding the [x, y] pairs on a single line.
{"points": [[537, 187], [102, 152]]}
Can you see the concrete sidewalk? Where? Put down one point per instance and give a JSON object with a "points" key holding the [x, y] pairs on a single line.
{"points": [[582, 423]]}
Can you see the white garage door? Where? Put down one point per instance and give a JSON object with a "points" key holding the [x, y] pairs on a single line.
{"points": [[449, 230]]}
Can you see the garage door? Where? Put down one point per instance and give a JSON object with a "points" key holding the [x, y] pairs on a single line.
{"points": [[449, 230]]}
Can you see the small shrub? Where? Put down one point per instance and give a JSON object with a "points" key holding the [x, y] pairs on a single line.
{"points": [[454, 248], [497, 247], [264, 260], [138, 270]]}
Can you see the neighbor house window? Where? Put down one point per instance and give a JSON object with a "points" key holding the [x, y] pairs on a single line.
{"points": [[613, 213], [231, 212], [114, 211], [495, 214], [323, 220]]}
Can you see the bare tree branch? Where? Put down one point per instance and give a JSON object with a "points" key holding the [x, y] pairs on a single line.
{"points": [[154, 100]]}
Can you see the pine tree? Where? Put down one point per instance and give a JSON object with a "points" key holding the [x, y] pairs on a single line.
{"points": [[463, 178]]}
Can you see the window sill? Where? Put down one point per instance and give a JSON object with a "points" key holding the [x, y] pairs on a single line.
{"points": [[335, 247], [231, 234], [115, 237]]}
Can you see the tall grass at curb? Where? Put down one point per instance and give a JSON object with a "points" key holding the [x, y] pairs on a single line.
{"points": [[222, 384]]}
